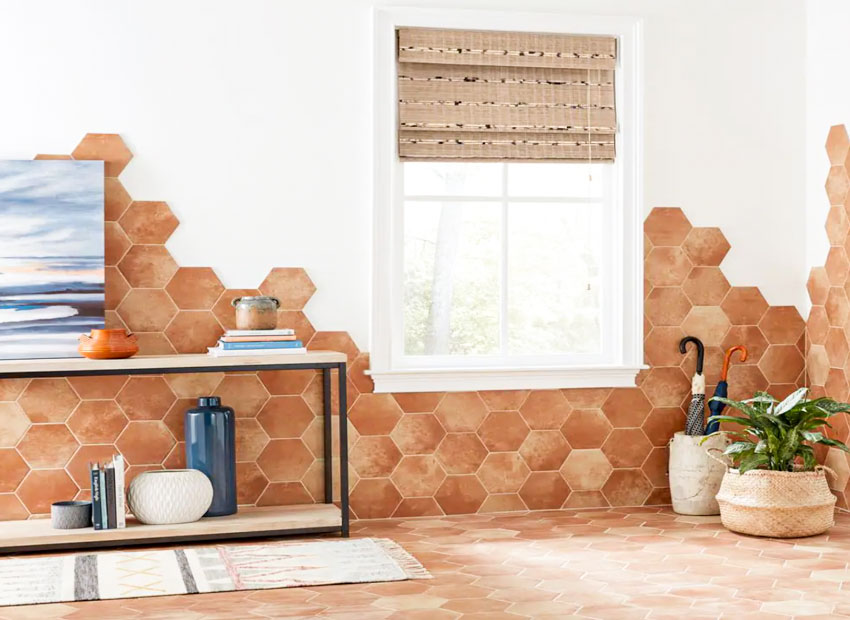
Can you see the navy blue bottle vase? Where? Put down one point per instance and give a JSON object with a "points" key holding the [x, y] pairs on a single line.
{"points": [[210, 431]]}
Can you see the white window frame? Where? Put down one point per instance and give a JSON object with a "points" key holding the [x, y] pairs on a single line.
{"points": [[625, 299]]}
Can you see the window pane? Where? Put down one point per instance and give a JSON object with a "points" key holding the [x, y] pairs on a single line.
{"points": [[451, 278], [427, 178], [560, 180], [554, 261]]}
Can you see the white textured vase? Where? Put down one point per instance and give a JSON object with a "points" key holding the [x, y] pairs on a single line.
{"points": [[695, 476], [170, 496]]}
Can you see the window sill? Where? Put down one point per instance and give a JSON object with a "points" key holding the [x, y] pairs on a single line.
{"points": [[473, 379]]}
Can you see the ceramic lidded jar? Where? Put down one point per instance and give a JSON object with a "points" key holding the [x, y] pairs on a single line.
{"points": [[259, 312], [108, 344]]}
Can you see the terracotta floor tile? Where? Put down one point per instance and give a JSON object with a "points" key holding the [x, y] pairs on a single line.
{"points": [[621, 563]]}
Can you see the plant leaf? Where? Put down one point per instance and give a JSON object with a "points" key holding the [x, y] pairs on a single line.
{"points": [[790, 401], [834, 443], [739, 446], [753, 462]]}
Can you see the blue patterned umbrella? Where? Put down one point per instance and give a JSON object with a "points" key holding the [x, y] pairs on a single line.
{"points": [[696, 410]]}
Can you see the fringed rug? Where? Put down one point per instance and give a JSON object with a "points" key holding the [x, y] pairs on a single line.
{"points": [[159, 572]]}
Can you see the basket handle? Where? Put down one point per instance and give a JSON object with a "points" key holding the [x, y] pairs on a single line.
{"points": [[826, 469], [725, 464]]}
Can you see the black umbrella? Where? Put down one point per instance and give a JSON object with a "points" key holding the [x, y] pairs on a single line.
{"points": [[696, 410]]}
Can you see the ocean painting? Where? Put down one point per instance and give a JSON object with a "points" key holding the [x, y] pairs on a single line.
{"points": [[51, 256]]}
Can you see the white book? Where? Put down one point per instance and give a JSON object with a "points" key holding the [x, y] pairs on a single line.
{"points": [[120, 504], [260, 332], [217, 352]]}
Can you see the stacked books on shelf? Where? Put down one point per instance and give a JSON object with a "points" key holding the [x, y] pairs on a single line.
{"points": [[257, 342], [108, 499]]}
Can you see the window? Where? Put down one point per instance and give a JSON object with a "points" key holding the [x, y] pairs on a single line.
{"points": [[506, 275], [503, 261]]}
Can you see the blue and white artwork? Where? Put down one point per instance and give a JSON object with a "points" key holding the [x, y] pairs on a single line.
{"points": [[51, 256]]}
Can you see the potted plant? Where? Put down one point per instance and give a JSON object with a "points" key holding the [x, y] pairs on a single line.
{"points": [[776, 487]]}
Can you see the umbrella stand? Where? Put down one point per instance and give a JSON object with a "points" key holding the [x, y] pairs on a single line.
{"points": [[722, 389], [696, 410]]}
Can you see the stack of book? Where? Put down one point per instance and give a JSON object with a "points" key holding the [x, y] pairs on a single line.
{"points": [[107, 494], [257, 342]]}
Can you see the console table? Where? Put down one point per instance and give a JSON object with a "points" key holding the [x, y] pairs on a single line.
{"points": [[38, 535]]}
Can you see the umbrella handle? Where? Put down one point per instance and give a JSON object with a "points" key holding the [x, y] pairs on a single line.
{"points": [[728, 358], [683, 349]]}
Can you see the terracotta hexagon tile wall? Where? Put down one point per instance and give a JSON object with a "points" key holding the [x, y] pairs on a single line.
{"points": [[503, 430], [116, 199], [145, 398], [48, 400], [461, 453], [47, 446], [285, 417], [78, 466], [147, 310], [828, 323], [97, 421], [13, 469], [194, 288], [145, 442], [586, 470], [147, 266], [460, 495], [293, 287], [42, 487], [706, 246], [503, 472], [586, 428], [667, 226], [148, 222], [418, 434], [109, 148], [418, 476], [430, 453]]}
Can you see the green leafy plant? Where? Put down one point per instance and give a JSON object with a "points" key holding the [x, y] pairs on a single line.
{"points": [[778, 435]]}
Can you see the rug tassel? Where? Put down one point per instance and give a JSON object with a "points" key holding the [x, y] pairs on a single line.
{"points": [[410, 565]]}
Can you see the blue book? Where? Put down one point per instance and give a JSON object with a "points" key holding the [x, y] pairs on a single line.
{"points": [[95, 498], [271, 344], [103, 498]]}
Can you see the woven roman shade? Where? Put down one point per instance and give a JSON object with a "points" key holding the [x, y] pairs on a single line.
{"points": [[484, 95]]}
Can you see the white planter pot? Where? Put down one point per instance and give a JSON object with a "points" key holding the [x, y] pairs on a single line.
{"points": [[695, 476], [170, 496]]}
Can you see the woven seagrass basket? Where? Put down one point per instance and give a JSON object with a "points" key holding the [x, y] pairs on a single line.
{"points": [[778, 504]]}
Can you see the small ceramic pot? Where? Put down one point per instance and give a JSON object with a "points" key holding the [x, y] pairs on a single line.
{"points": [[70, 515], [108, 344], [165, 496], [256, 312]]}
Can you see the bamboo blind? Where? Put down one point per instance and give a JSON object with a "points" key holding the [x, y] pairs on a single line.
{"points": [[480, 95]]}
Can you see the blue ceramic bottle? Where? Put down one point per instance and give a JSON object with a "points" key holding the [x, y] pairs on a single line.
{"points": [[210, 431]]}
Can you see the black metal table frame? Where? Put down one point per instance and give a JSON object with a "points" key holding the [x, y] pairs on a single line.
{"points": [[327, 432]]}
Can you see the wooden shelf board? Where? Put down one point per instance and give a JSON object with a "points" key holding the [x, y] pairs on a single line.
{"points": [[172, 363], [39, 534]]}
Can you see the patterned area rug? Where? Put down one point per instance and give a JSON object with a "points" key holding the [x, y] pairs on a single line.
{"points": [[159, 572]]}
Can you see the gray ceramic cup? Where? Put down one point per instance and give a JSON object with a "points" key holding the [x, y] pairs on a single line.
{"points": [[70, 515]]}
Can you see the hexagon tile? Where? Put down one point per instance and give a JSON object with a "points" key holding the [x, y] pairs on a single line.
{"points": [[411, 454], [828, 325]]}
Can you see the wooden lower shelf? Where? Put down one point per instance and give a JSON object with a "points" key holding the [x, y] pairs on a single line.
{"points": [[38, 534]]}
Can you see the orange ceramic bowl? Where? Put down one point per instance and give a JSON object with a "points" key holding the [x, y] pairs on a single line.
{"points": [[108, 344]]}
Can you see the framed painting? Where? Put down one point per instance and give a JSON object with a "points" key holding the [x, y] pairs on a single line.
{"points": [[51, 256]]}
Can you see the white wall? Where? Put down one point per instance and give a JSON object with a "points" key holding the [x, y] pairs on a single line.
{"points": [[828, 103], [252, 119]]}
